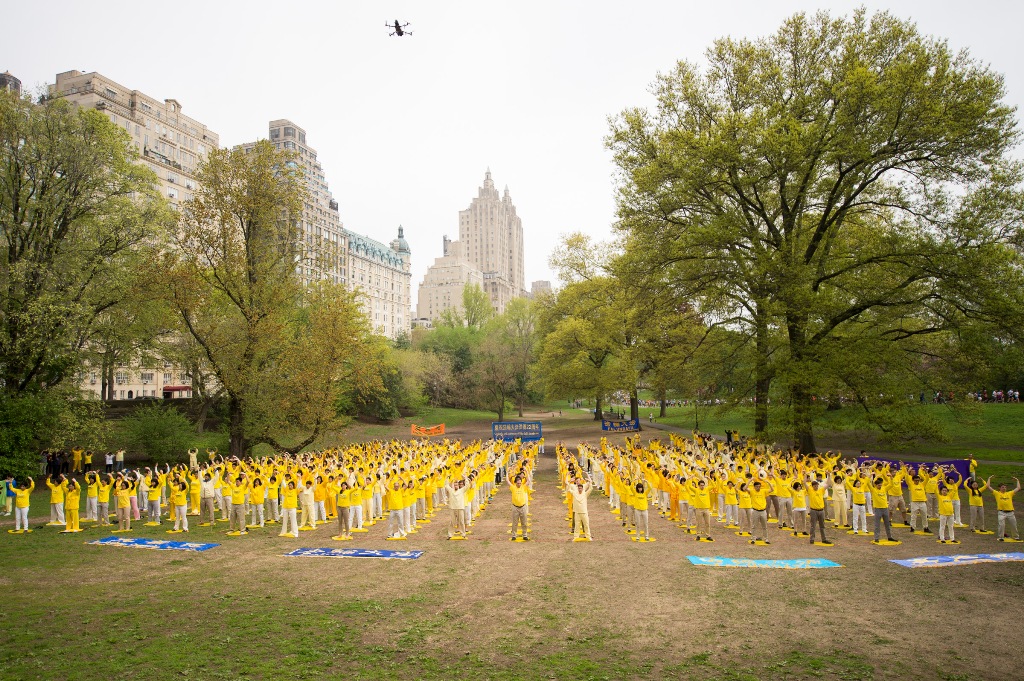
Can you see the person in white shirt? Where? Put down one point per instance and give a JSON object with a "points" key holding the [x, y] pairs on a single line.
{"points": [[579, 491], [457, 503]]}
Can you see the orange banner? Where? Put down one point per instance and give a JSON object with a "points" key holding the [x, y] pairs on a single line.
{"points": [[428, 430]]}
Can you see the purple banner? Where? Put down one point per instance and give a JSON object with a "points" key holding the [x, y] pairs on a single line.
{"points": [[962, 466]]}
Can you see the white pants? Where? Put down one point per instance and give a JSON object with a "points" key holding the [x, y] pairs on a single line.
{"points": [[257, 515], [180, 518], [946, 526], [377, 507], [56, 513], [274, 512], [319, 512], [956, 512], [396, 521], [289, 524], [860, 520], [92, 508], [153, 510], [21, 518], [355, 517]]}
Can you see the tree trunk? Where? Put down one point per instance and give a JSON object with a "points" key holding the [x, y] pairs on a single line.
{"points": [[203, 411], [762, 376], [800, 394], [239, 445], [104, 383], [522, 399], [598, 413], [663, 411], [634, 405]]}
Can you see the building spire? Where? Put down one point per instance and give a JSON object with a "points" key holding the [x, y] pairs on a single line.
{"points": [[488, 182]]}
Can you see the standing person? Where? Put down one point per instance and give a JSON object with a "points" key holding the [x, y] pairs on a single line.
{"points": [[8, 495], [103, 498], [396, 517], [344, 495], [579, 491], [207, 498], [238, 488], [193, 459], [289, 502], [977, 505], [87, 461], [799, 509], [91, 496], [759, 493], [22, 497], [456, 493], [816, 504], [124, 492], [108, 462], [1005, 517], [918, 501], [840, 507], [880, 501], [946, 515], [855, 485], [257, 495], [520, 506], [306, 502], [56, 485], [700, 504], [154, 490], [119, 461], [179, 500], [640, 512]]}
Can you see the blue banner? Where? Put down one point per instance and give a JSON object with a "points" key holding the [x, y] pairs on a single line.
{"points": [[962, 466], [507, 431], [962, 559], [159, 544], [355, 553], [630, 426], [798, 564]]}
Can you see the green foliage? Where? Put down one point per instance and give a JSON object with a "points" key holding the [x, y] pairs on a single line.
{"points": [[160, 433], [47, 420], [840, 196], [78, 216]]}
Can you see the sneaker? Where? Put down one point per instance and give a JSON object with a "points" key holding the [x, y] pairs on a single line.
{"points": [[826, 543], [526, 538], [767, 542]]}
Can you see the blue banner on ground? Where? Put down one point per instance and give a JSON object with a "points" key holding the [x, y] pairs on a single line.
{"points": [[797, 564], [159, 544], [962, 559], [355, 553], [630, 426], [962, 466], [507, 431]]}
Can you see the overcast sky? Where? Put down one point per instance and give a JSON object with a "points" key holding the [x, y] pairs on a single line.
{"points": [[405, 127]]}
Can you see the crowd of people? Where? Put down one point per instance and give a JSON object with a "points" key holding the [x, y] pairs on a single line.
{"points": [[750, 489], [402, 483]]}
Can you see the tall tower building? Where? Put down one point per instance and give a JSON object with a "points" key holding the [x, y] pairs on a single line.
{"points": [[321, 241], [491, 237]]}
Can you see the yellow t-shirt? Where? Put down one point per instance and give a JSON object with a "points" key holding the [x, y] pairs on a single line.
{"points": [[520, 494], [1004, 500]]}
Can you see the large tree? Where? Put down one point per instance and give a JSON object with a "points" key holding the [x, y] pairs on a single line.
{"points": [[283, 354], [839, 185], [75, 212]]}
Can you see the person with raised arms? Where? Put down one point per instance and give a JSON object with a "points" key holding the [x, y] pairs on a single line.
{"points": [[1006, 519]]}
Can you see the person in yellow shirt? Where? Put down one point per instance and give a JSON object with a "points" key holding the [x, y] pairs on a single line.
{"points": [[918, 500], [880, 500], [124, 491], [87, 460], [977, 505], [520, 506], [759, 492], [91, 499], [76, 460], [945, 495], [155, 489], [1005, 517], [700, 504], [289, 504], [179, 499], [393, 499], [344, 496], [238, 488], [22, 497], [816, 508], [257, 495], [55, 483], [640, 512], [103, 488]]}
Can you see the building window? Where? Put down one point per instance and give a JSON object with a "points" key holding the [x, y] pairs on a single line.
{"points": [[167, 378], [146, 376], [289, 132]]}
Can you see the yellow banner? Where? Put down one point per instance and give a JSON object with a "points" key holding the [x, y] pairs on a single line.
{"points": [[428, 430]]}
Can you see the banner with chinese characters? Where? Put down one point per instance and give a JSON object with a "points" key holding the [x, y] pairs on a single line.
{"points": [[159, 544], [796, 564], [961, 559], [427, 431], [630, 426], [962, 466], [355, 553], [509, 431]]}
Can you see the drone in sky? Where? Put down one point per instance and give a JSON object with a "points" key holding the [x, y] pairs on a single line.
{"points": [[399, 29]]}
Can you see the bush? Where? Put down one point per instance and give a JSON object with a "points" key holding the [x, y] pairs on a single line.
{"points": [[162, 434], [53, 420]]}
